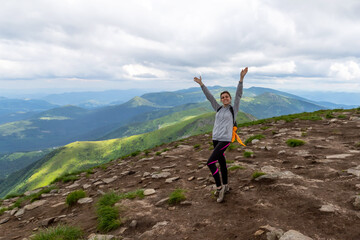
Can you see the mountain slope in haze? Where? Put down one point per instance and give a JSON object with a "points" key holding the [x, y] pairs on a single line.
{"points": [[82, 155], [66, 124]]}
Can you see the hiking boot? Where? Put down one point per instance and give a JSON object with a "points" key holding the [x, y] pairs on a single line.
{"points": [[221, 195], [217, 191]]}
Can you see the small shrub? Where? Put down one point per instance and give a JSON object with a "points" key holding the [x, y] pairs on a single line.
{"points": [[134, 154], [357, 144], [329, 115], [157, 153], [248, 154], [274, 132], [2, 210], [146, 152], [197, 146], [108, 218], [341, 116], [257, 174], [36, 196], [230, 161], [165, 149], [70, 178], [232, 146], [259, 136], [59, 232], [232, 168], [294, 142], [177, 196], [74, 196], [304, 134]]}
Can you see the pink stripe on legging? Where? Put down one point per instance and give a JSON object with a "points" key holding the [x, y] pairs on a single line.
{"points": [[225, 146], [212, 162], [216, 171]]}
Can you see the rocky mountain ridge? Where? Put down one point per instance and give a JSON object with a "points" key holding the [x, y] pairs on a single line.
{"points": [[305, 192]]}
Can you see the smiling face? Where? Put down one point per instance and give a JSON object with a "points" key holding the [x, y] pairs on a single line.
{"points": [[225, 98]]}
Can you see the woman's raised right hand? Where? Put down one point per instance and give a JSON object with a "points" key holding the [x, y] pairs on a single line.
{"points": [[198, 80]]}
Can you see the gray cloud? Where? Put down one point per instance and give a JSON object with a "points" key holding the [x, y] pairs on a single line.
{"points": [[122, 43]]}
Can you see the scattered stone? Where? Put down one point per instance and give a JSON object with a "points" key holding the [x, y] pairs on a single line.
{"points": [[355, 171], [186, 203], [74, 185], [47, 221], [85, 200], [161, 202], [356, 203], [109, 180], [98, 183], [161, 175], [294, 235], [200, 178], [255, 141], [12, 212], [4, 220], [341, 156], [35, 204], [94, 236], [191, 178], [258, 233], [170, 180], [273, 233], [86, 186], [28, 193], [160, 224], [146, 174], [328, 208], [20, 213], [45, 195], [133, 224], [281, 152], [357, 186], [148, 192], [170, 166], [58, 204]]}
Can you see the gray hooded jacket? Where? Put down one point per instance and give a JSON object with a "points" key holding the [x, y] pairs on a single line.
{"points": [[224, 121]]}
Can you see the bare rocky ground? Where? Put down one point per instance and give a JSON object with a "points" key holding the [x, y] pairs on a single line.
{"points": [[308, 192]]}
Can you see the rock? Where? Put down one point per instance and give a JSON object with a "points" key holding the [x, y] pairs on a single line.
{"points": [[28, 193], [20, 213], [186, 203], [160, 224], [281, 152], [133, 224], [146, 174], [170, 166], [74, 185], [273, 233], [12, 212], [258, 233], [4, 220], [341, 156], [355, 171], [170, 180], [294, 235], [98, 183], [109, 180], [356, 202], [328, 208], [85, 200], [86, 186], [191, 178], [161, 175], [148, 192], [35, 204], [161, 202], [255, 141], [47, 221], [357, 186], [94, 236], [58, 204]]}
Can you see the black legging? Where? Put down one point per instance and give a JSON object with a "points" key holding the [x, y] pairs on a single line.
{"points": [[218, 155]]}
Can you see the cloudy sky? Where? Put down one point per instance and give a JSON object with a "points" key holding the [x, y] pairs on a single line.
{"points": [[162, 45]]}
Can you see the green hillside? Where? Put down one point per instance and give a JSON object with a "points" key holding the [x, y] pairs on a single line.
{"points": [[13, 162], [82, 155]]}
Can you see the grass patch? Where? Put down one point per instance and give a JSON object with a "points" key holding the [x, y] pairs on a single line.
{"points": [[313, 117], [74, 196], [2, 210], [36, 196], [257, 174], [146, 152], [157, 153], [230, 161], [60, 232], [248, 154], [258, 136], [134, 154], [197, 146], [177, 196], [232, 146], [108, 215], [357, 144], [341, 117], [265, 127], [329, 115], [13, 195], [232, 168], [295, 142], [304, 134]]}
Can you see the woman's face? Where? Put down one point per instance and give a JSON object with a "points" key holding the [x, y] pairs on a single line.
{"points": [[225, 99]]}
